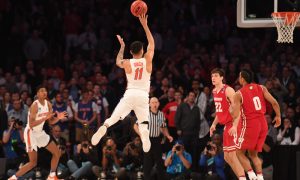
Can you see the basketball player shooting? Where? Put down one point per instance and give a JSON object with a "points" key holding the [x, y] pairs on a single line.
{"points": [[35, 137], [136, 97]]}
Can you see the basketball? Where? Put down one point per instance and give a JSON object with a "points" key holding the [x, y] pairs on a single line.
{"points": [[138, 7]]}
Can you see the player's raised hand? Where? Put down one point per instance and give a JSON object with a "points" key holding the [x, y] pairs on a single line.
{"points": [[277, 121], [143, 19], [121, 41]]}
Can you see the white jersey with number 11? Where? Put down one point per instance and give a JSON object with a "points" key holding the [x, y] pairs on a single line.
{"points": [[139, 78]]}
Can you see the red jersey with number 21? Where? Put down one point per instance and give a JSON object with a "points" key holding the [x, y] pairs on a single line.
{"points": [[222, 105], [253, 101]]}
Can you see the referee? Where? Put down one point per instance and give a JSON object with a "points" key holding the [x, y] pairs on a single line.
{"points": [[157, 125]]}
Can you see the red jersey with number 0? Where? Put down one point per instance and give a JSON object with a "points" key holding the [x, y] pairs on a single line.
{"points": [[253, 101], [222, 105]]}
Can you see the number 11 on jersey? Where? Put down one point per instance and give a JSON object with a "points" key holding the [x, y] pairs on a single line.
{"points": [[138, 73]]}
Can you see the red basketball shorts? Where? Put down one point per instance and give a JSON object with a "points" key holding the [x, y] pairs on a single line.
{"points": [[230, 142], [253, 134]]}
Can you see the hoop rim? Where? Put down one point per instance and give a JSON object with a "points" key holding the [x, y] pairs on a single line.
{"points": [[290, 17]]}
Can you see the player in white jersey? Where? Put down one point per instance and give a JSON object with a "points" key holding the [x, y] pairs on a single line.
{"points": [[136, 97], [35, 137]]}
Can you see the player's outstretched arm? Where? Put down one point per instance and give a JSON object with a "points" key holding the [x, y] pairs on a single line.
{"points": [[59, 116], [275, 106], [119, 59], [235, 113], [151, 45]]}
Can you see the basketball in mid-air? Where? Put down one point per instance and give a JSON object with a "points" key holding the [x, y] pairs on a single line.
{"points": [[138, 7]]}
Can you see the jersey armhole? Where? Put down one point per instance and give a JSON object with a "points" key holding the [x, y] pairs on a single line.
{"points": [[241, 96]]}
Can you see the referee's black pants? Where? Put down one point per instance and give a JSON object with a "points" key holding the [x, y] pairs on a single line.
{"points": [[154, 156]]}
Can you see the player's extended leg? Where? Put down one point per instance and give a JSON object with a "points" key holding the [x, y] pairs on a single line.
{"points": [[27, 167], [232, 159], [121, 111], [141, 110], [245, 162], [257, 163], [53, 149]]}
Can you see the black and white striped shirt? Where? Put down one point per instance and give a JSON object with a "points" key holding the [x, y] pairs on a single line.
{"points": [[156, 121]]}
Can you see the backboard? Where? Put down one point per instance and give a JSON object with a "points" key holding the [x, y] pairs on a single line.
{"points": [[257, 13]]}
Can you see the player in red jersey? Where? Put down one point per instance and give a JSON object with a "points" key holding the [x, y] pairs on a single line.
{"points": [[223, 96], [250, 101]]}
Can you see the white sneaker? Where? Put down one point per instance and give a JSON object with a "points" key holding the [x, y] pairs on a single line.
{"points": [[14, 177], [98, 135], [252, 175], [260, 177], [145, 140]]}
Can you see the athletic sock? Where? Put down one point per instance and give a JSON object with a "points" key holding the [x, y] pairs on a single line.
{"points": [[260, 176], [242, 178]]}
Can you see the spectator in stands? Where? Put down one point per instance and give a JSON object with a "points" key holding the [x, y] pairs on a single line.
{"points": [[6, 101], [60, 106], [267, 158], [62, 168], [101, 103], [167, 98], [272, 131], [187, 121], [201, 101], [288, 134], [83, 161], [87, 40], [212, 162], [170, 110], [18, 112], [35, 48], [85, 115], [277, 89], [14, 147], [178, 162], [111, 161], [133, 158]]}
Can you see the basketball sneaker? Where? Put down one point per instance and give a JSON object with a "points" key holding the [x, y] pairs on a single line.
{"points": [[14, 177], [52, 178], [260, 177], [145, 137], [252, 175], [98, 135]]}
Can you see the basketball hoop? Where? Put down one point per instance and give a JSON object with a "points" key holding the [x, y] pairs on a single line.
{"points": [[285, 23]]}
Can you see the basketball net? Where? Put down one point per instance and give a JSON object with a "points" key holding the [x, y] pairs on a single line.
{"points": [[285, 23]]}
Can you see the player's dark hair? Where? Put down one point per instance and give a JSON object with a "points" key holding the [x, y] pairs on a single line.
{"points": [[40, 87], [247, 75], [219, 71], [136, 47]]}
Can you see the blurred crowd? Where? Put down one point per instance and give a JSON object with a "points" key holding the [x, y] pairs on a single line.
{"points": [[69, 46]]}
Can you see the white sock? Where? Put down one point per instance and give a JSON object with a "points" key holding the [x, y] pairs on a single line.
{"points": [[52, 174], [252, 175], [260, 176], [242, 178]]}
